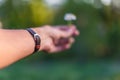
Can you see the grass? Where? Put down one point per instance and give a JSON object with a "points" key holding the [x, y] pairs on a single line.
{"points": [[96, 70]]}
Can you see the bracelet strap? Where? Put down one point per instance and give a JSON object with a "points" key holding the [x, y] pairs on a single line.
{"points": [[36, 38]]}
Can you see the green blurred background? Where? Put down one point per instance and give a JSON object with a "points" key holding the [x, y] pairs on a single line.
{"points": [[95, 54]]}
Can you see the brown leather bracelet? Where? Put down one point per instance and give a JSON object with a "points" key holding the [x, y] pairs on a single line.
{"points": [[36, 38]]}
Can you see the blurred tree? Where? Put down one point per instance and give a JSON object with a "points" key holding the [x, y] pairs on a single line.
{"points": [[41, 14], [22, 14]]}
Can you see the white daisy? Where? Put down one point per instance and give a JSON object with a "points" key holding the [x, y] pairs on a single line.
{"points": [[69, 17]]}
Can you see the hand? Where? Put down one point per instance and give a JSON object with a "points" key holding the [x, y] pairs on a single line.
{"points": [[55, 39]]}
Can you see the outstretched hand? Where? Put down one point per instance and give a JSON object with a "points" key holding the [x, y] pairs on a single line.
{"points": [[58, 38]]}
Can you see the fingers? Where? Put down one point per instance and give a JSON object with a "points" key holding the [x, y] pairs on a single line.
{"points": [[71, 41], [62, 32], [66, 32], [76, 33], [58, 38], [57, 34], [64, 27], [53, 48]]}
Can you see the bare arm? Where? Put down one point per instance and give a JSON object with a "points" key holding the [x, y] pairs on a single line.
{"points": [[14, 45], [17, 44]]}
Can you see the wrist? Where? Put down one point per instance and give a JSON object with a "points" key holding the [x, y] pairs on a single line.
{"points": [[40, 32], [36, 39]]}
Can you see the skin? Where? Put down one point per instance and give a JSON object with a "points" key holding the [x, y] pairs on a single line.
{"points": [[18, 44]]}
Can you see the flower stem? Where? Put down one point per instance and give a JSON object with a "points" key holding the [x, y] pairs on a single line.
{"points": [[69, 23]]}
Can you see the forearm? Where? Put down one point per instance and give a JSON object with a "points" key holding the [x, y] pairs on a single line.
{"points": [[14, 45], [17, 44]]}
